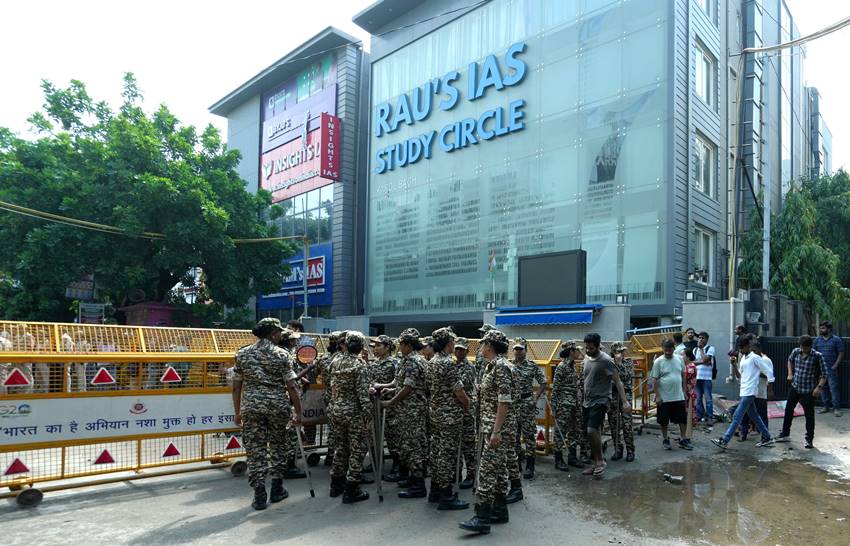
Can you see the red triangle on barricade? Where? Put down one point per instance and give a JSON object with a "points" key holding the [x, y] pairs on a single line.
{"points": [[540, 436], [104, 458], [103, 377], [17, 467], [171, 451], [233, 443], [170, 376], [17, 379]]}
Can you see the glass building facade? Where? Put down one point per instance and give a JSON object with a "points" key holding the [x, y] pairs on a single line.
{"points": [[590, 169]]}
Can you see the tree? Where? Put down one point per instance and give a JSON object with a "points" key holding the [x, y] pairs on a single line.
{"points": [[831, 196], [141, 173], [802, 267]]}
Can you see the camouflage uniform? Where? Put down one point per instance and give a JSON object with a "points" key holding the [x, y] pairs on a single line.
{"points": [[469, 377], [411, 412], [566, 404], [291, 453], [323, 370], [497, 385], [513, 421], [350, 411], [619, 421], [383, 371], [265, 408], [443, 379], [529, 372]]}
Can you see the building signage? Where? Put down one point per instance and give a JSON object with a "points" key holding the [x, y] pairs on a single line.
{"points": [[298, 119], [445, 93], [303, 164], [319, 280]]}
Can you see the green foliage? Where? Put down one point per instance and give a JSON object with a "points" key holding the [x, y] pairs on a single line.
{"points": [[809, 247], [138, 172]]}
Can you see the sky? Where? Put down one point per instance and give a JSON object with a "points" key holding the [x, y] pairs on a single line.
{"points": [[188, 54]]}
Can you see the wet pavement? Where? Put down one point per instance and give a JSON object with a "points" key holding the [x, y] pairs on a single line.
{"points": [[726, 499], [785, 496]]}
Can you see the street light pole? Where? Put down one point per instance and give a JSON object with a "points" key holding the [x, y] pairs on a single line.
{"points": [[305, 274]]}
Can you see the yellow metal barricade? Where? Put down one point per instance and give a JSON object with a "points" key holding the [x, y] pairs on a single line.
{"points": [[80, 401]]}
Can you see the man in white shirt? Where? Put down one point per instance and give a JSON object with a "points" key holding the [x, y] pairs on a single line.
{"points": [[761, 395], [751, 366], [704, 360]]}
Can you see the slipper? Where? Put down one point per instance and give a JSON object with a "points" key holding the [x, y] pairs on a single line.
{"points": [[599, 470], [588, 471]]}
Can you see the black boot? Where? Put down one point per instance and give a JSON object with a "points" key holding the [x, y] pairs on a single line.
{"points": [[469, 482], [500, 510], [435, 494], [480, 522], [572, 460], [329, 458], [403, 475], [337, 486], [559, 462], [416, 490], [618, 454], [630, 456], [449, 500], [292, 472], [529, 468], [353, 493], [261, 501], [392, 475], [278, 492], [515, 494]]}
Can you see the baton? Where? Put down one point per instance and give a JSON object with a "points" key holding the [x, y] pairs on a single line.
{"points": [[304, 458], [480, 445], [371, 442], [378, 449], [383, 413], [554, 418]]}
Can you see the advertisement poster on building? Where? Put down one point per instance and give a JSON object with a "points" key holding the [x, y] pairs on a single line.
{"points": [[319, 281]]}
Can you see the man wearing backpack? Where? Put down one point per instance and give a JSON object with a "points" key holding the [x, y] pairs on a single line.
{"points": [[706, 373]]}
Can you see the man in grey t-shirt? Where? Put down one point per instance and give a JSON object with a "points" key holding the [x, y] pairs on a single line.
{"points": [[600, 374]]}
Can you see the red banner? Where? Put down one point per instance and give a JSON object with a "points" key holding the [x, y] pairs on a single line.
{"points": [[303, 164], [331, 144]]}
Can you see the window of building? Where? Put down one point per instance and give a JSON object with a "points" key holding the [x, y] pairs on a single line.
{"points": [[703, 254], [705, 75], [705, 164], [708, 7], [308, 214]]}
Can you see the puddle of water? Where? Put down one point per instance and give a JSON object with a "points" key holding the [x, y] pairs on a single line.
{"points": [[727, 502]]}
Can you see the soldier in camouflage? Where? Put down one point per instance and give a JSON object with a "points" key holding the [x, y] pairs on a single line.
{"points": [[447, 406], [619, 421], [515, 492], [288, 342], [496, 396], [468, 436], [566, 406], [529, 374], [382, 371], [408, 400], [321, 369], [264, 390], [351, 416]]}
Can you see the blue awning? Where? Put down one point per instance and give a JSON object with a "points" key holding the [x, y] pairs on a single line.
{"points": [[524, 318]]}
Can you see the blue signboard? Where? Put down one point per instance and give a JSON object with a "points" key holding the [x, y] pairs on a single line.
{"points": [[319, 281]]}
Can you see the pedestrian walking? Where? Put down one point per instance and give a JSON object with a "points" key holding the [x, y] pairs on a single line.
{"points": [[667, 380], [762, 394], [600, 378], [831, 347], [749, 366], [807, 374]]}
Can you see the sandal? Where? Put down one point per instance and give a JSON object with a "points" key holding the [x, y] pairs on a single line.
{"points": [[599, 470], [588, 471]]}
